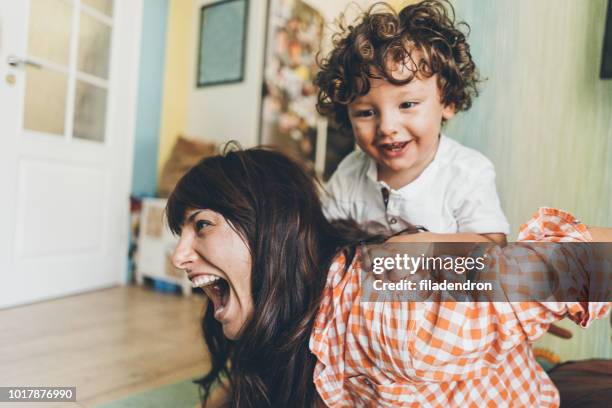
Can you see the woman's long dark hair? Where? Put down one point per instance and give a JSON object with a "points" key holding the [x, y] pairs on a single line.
{"points": [[274, 205]]}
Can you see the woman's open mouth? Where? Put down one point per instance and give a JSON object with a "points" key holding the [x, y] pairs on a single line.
{"points": [[217, 290], [393, 149]]}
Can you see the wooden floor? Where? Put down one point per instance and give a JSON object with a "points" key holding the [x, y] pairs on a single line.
{"points": [[109, 343]]}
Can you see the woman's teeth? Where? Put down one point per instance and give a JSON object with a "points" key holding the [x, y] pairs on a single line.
{"points": [[203, 280], [216, 289]]}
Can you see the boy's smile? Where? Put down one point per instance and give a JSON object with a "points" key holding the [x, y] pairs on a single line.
{"points": [[398, 126]]}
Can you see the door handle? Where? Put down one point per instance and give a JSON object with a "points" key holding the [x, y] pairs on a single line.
{"points": [[17, 62]]}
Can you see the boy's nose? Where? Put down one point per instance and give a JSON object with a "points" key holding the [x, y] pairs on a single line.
{"points": [[387, 126]]}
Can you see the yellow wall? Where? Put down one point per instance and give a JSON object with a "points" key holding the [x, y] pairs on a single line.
{"points": [[176, 77], [400, 4]]}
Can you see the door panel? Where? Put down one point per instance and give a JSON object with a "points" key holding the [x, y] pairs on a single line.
{"points": [[72, 214]]}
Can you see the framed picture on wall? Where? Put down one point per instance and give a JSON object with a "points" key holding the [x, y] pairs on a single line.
{"points": [[606, 56], [288, 113], [289, 120], [222, 42]]}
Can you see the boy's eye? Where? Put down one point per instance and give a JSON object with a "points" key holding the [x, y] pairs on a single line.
{"points": [[200, 224], [365, 113], [407, 105]]}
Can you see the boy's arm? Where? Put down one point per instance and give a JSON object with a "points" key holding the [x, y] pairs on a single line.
{"points": [[457, 237], [600, 234], [496, 238]]}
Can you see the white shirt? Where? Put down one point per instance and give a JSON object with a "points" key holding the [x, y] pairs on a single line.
{"points": [[455, 193]]}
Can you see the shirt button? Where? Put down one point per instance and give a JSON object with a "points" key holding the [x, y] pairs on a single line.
{"points": [[392, 221]]}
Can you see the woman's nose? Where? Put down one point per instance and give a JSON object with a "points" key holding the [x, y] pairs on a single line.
{"points": [[183, 255]]}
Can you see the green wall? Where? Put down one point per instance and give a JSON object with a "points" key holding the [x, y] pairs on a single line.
{"points": [[544, 118]]}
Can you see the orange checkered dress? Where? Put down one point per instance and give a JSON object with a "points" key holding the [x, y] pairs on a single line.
{"points": [[412, 354]]}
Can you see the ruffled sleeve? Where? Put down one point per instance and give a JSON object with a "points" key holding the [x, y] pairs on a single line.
{"points": [[554, 225]]}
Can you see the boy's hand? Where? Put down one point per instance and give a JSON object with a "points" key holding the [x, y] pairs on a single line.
{"points": [[391, 249]]}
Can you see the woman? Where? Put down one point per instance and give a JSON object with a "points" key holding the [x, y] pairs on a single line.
{"points": [[285, 326]]}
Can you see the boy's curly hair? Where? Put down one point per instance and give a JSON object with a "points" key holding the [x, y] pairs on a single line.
{"points": [[383, 38]]}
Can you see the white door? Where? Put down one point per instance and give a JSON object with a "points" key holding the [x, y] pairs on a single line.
{"points": [[68, 80]]}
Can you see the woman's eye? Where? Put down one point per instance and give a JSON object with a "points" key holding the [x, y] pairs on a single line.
{"points": [[200, 224], [407, 105], [366, 113]]}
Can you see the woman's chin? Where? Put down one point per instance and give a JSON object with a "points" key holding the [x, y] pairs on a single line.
{"points": [[229, 335], [233, 318], [230, 332], [231, 324]]}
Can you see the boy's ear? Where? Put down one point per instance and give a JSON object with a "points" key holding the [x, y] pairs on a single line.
{"points": [[448, 111]]}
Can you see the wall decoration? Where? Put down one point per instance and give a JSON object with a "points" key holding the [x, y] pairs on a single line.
{"points": [[288, 113], [606, 55], [223, 27]]}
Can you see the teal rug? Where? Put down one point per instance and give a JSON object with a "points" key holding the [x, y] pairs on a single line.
{"points": [[183, 394]]}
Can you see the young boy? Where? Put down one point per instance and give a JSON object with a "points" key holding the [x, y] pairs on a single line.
{"points": [[394, 80]]}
